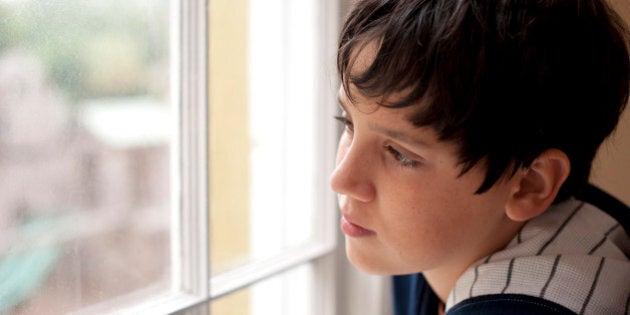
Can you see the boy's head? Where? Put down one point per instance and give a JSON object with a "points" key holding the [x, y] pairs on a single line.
{"points": [[504, 80], [464, 119]]}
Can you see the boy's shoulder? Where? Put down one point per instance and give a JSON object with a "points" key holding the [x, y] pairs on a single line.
{"points": [[574, 255]]}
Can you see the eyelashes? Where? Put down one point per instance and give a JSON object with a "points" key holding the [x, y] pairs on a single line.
{"points": [[399, 158], [345, 122]]}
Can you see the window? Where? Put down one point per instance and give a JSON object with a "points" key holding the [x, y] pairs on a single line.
{"points": [[122, 123], [85, 141]]}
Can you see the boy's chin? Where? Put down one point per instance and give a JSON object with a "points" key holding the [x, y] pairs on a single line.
{"points": [[370, 265]]}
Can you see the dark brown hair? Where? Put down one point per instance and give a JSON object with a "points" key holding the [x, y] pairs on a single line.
{"points": [[504, 79]]}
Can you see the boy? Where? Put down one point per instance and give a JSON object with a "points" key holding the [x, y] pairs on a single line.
{"points": [[471, 126]]}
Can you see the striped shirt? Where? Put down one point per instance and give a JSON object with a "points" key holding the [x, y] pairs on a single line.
{"points": [[574, 255]]}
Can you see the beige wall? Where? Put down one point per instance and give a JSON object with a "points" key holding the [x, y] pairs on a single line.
{"points": [[229, 144], [611, 170]]}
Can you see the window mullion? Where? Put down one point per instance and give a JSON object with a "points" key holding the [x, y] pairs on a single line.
{"points": [[193, 230]]}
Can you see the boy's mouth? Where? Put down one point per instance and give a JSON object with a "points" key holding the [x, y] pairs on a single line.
{"points": [[354, 230]]}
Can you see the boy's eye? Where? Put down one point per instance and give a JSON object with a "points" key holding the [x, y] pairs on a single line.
{"points": [[401, 158], [347, 123]]}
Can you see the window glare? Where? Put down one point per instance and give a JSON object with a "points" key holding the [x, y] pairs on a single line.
{"points": [[271, 131]]}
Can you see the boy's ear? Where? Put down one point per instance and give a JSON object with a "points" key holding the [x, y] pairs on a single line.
{"points": [[537, 186]]}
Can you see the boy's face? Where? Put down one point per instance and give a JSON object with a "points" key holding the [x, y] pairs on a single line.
{"points": [[405, 205], [403, 187]]}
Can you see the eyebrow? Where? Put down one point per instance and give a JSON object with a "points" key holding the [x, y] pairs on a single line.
{"points": [[398, 135], [391, 133]]}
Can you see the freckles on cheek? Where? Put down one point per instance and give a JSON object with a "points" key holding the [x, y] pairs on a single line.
{"points": [[426, 219], [414, 247], [409, 223]]}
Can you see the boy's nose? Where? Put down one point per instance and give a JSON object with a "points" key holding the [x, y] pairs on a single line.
{"points": [[353, 176]]}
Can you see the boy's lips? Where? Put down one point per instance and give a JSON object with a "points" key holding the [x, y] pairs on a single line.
{"points": [[354, 230]]}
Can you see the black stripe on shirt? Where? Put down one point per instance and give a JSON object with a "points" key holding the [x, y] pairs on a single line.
{"points": [[564, 224], [601, 242], [551, 275], [509, 276], [487, 260], [470, 293], [590, 292]]}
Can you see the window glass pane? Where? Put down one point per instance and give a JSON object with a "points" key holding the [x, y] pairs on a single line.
{"points": [[85, 129], [263, 149], [288, 293]]}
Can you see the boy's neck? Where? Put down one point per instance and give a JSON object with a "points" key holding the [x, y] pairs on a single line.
{"points": [[443, 279]]}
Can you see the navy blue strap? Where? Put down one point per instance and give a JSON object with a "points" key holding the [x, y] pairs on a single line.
{"points": [[514, 304], [412, 295]]}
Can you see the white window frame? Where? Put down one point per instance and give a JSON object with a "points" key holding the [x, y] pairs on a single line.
{"points": [[192, 287]]}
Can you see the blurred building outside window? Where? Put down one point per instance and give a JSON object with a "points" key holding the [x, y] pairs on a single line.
{"points": [[85, 138]]}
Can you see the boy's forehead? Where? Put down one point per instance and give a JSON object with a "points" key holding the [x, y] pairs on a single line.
{"points": [[368, 104], [362, 57], [391, 121]]}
